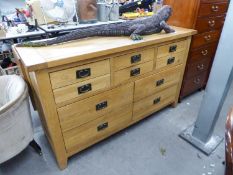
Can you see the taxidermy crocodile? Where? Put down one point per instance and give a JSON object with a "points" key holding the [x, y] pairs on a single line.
{"points": [[134, 29]]}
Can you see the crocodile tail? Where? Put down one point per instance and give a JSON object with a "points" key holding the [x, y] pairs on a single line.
{"points": [[77, 34]]}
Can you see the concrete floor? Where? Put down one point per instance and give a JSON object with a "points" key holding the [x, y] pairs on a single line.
{"points": [[151, 147]]}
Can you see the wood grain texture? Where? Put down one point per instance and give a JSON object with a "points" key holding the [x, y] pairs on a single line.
{"points": [[150, 85], [64, 94], [45, 95], [85, 49], [74, 121], [68, 76], [148, 104], [81, 112], [88, 134], [165, 50], [125, 74], [125, 61]]}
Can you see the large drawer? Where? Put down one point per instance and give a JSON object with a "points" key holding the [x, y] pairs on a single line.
{"points": [[202, 53], [132, 72], [79, 73], [133, 59], [81, 137], [170, 60], [206, 24], [82, 89], [205, 38], [197, 68], [192, 84], [155, 83], [171, 48], [84, 111], [214, 8], [154, 102]]}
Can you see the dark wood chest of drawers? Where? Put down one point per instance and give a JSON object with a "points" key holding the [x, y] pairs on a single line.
{"points": [[207, 17]]}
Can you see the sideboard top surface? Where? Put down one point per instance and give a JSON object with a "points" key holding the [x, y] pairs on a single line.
{"points": [[51, 56]]}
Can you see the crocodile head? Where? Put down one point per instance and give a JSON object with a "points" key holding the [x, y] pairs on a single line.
{"points": [[165, 12]]}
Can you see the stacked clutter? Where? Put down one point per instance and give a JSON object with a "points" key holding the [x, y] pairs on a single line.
{"points": [[7, 66]]}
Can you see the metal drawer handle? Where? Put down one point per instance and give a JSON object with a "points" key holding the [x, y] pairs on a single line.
{"points": [[204, 52], [83, 73], [215, 8], [84, 89], [136, 58], [173, 48], [207, 37], [157, 100], [211, 23], [160, 82], [101, 106], [197, 81], [102, 127], [135, 72], [200, 67], [171, 60]]}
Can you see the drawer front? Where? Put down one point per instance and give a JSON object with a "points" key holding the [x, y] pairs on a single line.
{"points": [[82, 89], [197, 68], [132, 72], [212, 8], [81, 137], [203, 53], [170, 60], [155, 83], [210, 23], [205, 38], [171, 48], [80, 73], [154, 102], [132, 59], [86, 110], [193, 84]]}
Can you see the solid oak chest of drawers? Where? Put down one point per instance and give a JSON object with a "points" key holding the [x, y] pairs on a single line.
{"points": [[207, 17], [89, 89]]}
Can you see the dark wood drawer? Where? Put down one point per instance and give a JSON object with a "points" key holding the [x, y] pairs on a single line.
{"points": [[202, 53], [211, 1], [205, 38], [213, 8], [196, 68], [193, 84], [210, 23]]}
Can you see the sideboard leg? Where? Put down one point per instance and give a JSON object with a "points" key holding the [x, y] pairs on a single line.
{"points": [[36, 147], [62, 163]]}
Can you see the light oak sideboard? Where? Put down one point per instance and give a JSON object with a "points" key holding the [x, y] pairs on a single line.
{"points": [[89, 89]]}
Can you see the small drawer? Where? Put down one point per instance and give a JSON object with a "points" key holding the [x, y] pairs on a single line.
{"points": [[80, 73], [198, 67], [216, 8], [132, 72], [86, 110], [81, 137], [154, 102], [192, 84], [170, 60], [132, 59], [203, 53], [82, 89], [171, 48], [155, 83], [205, 38], [210, 23]]}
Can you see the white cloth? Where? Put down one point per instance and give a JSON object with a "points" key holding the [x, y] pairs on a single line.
{"points": [[16, 130]]}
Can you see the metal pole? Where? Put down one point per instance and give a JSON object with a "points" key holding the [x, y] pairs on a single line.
{"points": [[200, 135]]}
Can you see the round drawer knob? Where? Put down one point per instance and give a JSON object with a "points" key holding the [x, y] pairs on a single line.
{"points": [[207, 37], [215, 8], [211, 23]]}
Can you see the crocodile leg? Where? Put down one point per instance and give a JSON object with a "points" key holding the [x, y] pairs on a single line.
{"points": [[166, 27], [139, 29]]}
